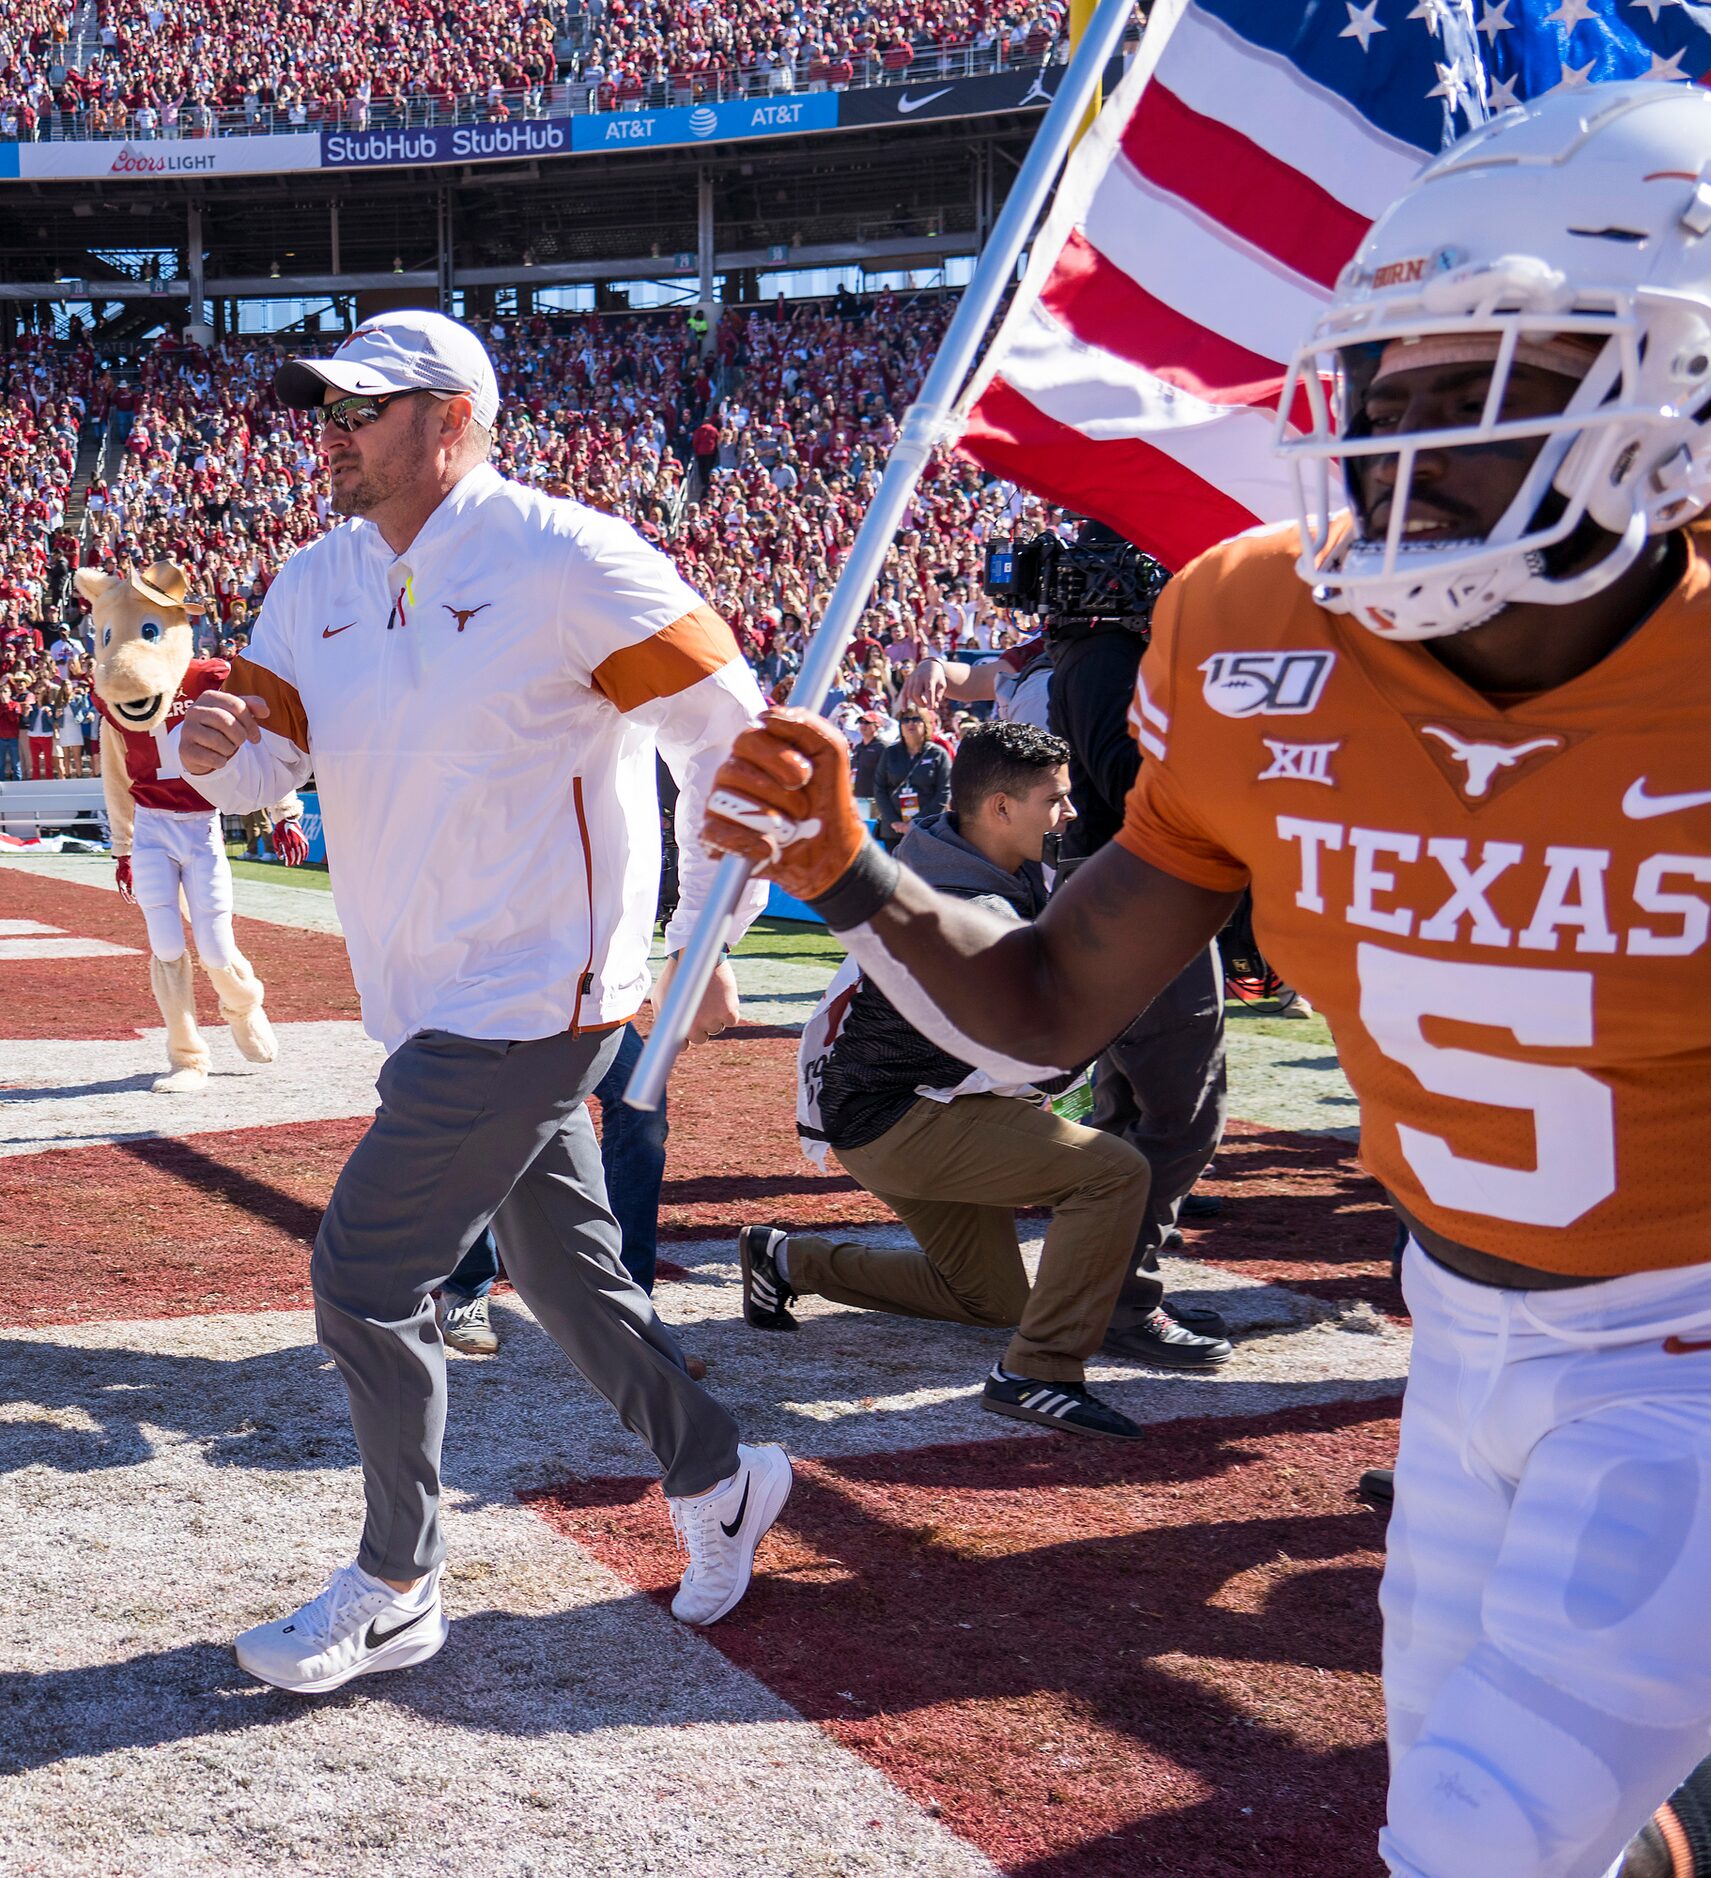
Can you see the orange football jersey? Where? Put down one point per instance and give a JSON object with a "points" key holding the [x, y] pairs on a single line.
{"points": [[1503, 913]]}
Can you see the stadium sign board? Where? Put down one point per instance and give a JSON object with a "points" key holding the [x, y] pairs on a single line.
{"points": [[159, 159], [783, 114], [1032, 88], [562, 136], [779, 116], [446, 143]]}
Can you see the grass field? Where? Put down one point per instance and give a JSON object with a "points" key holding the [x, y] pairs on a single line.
{"points": [[272, 872]]}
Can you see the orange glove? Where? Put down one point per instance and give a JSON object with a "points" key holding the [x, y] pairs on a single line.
{"points": [[788, 778]]}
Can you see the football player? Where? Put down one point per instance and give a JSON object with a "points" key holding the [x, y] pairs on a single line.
{"points": [[1453, 734]]}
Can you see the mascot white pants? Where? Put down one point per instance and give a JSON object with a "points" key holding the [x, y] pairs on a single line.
{"points": [[178, 864]]}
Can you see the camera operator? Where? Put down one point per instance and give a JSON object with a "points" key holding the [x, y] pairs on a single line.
{"points": [[1160, 1086]]}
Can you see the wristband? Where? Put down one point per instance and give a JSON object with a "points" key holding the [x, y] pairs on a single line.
{"points": [[860, 891]]}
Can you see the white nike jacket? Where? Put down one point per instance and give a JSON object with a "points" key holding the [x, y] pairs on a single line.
{"points": [[481, 715]]}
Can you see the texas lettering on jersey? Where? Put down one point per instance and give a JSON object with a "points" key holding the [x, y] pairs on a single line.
{"points": [[1504, 912], [151, 757]]}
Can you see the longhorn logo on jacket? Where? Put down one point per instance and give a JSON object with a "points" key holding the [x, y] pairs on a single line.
{"points": [[463, 615]]}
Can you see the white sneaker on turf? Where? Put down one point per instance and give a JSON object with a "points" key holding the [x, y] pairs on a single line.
{"points": [[354, 1627], [720, 1531]]}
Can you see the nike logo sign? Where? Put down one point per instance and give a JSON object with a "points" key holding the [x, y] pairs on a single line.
{"points": [[1681, 1346], [1640, 807], [906, 104], [376, 1636], [332, 632], [735, 1526]]}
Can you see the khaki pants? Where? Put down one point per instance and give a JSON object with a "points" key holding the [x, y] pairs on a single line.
{"points": [[954, 1173]]}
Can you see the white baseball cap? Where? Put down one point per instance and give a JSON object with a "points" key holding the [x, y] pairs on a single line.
{"points": [[404, 351]]}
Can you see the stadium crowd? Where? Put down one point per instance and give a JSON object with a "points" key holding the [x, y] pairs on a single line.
{"points": [[207, 66], [750, 460], [47, 723]]}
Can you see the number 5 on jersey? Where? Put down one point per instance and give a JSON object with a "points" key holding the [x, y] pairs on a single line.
{"points": [[1573, 1113]]}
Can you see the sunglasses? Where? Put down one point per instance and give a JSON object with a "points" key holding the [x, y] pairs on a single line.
{"points": [[357, 412]]}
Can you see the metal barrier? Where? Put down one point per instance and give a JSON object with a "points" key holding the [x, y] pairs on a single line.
{"points": [[28, 809], [571, 95]]}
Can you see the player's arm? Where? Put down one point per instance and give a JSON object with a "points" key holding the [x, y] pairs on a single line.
{"points": [[1055, 993], [1019, 1003]]}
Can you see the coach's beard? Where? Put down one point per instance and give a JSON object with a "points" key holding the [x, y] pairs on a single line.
{"points": [[355, 497]]}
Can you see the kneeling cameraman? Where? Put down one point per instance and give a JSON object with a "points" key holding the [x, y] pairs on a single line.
{"points": [[953, 1155]]}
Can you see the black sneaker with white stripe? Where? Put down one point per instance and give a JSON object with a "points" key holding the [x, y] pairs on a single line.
{"points": [[1066, 1405], [765, 1293]]}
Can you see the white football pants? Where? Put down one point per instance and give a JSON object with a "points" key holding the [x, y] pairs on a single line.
{"points": [[170, 849], [1547, 1592]]}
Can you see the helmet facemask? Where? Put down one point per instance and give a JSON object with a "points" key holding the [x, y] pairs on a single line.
{"points": [[1584, 467]]}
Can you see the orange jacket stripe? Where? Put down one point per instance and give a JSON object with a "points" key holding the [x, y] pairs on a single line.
{"points": [[692, 647], [285, 714]]}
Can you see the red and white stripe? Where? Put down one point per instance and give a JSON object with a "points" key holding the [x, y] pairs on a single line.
{"points": [[1137, 375]]}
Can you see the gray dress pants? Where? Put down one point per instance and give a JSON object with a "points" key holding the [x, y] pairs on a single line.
{"points": [[1161, 1087], [470, 1132]]}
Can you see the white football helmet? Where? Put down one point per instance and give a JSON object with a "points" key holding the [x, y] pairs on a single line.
{"points": [[1577, 226]]}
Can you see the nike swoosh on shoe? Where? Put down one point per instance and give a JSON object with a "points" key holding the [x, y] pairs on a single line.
{"points": [[735, 1526], [376, 1636]]}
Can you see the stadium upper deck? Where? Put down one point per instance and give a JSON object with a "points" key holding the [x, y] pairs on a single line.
{"points": [[214, 67]]}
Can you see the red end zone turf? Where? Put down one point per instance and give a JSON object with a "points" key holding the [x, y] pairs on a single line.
{"points": [[1093, 1660], [220, 1222], [306, 973]]}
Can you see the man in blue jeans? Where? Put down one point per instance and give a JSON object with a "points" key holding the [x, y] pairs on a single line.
{"points": [[632, 1152], [11, 728]]}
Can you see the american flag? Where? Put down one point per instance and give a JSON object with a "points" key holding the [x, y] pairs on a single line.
{"points": [[1203, 221]]}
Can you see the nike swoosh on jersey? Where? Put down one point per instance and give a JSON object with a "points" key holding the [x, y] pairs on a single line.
{"points": [[906, 104], [1682, 1346], [332, 632], [735, 1526], [1640, 807]]}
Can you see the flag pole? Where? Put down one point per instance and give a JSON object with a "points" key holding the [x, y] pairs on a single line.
{"points": [[1080, 18], [928, 421]]}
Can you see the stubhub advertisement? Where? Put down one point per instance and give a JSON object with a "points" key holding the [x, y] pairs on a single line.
{"points": [[561, 136]]}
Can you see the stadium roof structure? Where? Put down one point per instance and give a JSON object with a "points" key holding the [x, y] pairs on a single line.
{"points": [[894, 193]]}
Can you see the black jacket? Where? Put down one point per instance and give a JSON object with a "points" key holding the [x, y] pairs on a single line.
{"points": [[880, 1061], [928, 774], [1093, 685], [864, 765]]}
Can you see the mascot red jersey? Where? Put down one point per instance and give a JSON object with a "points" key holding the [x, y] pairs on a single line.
{"points": [[166, 836]]}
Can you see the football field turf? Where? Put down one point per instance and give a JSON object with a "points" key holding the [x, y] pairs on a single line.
{"points": [[969, 1647]]}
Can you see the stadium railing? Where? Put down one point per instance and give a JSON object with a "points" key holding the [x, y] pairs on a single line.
{"points": [[567, 96]]}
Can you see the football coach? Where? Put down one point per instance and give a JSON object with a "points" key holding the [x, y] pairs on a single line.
{"points": [[478, 676]]}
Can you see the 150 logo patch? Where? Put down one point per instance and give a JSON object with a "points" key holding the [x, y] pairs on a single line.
{"points": [[1266, 684]]}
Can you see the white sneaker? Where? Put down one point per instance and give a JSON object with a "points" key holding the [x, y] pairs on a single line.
{"points": [[720, 1531], [355, 1627], [466, 1325]]}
